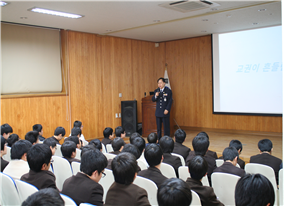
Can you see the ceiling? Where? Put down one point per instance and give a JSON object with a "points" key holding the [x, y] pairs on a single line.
{"points": [[146, 20]]}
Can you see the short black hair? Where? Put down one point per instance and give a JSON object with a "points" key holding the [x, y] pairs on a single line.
{"points": [[73, 139], [45, 197], [97, 143], [132, 149], [50, 142], [180, 136], [133, 136], [93, 160], [32, 136], [60, 130], [19, 148], [37, 127], [153, 154], [3, 142], [6, 128], [229, 153], [174, 192], [76, 131], [197, 167], [167, 144], [202, 133], [254, 190], [38, 155], [161, 78], [77, 123], [119, 130], [139, 142], [107, 132], [200, 144], [87, 148], [117, 143], [124, 167], [152, 138], [265, 145], [236, 143], [12, 139], [67, 148]]}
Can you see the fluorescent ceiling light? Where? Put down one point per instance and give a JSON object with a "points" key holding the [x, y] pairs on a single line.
{"points": [[57, 13], [2, 3]]}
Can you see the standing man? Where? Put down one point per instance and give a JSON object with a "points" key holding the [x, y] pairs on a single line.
{"points": [[163, 98]]}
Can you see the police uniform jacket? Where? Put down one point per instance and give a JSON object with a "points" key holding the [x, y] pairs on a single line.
{"points": [[163, 102]]}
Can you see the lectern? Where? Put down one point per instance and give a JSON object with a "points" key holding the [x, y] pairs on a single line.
{"points": [[148, 117]]}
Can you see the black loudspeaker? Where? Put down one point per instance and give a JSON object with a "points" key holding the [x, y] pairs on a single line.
{"points": [[129, 116]]}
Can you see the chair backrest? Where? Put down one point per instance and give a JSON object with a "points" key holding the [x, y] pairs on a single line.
{"points": [[184, 174], [85, 142], [167, 170], [86, 204], [195, 199], [142, 164], [219, 162], [25, 189], [68, 201], [281, 197], [7, 157], [75, 167], [109, 148], [58, 151], [205, 181], [9, 194], [109, 156], [224, 187], [62, 170], [180, 157], [106, 182], [150, 188], [78, 154], [265, 170], [103, 148]]}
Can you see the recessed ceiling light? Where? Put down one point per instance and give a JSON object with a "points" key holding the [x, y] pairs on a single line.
{"points": [[205, 20], [3, 3], [156, 21], [255, 23], [262, 10], [53, 12], [24, 18], [203, 31]]}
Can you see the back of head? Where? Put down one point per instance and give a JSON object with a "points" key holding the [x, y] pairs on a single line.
{"points": [[203, 134], [50, 142], [93, 160], [107, 132], [197, 167], [200, 144], [73, 139], [19, 149], [174, 192], [152, 138], [97, 143], [32, 136], [180, 135], [76, 131], [236, 143], [87, 148], [139, 142], [265, 145], [78, 124], [37, 127], [153, 154], [38, 155], [124, 167], [67, 148], [167, 144], [12, 139], [133, 136], [60, 130], [132, 149], [3, 142], [229, 153], [45, 197], [119, 130], [254, 190], [6, 128], [117, 143]]}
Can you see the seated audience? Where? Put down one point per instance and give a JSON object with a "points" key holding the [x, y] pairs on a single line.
{"points": [[197, 168], [238, 146], [79, 124], [18, 164], [254, 190], [152, 138], [97, 143], [12, 139], [230, 156], [179, 148], [120, 132], [69, 150], [131, 149], [33, 137], [266, 158], [117, 144], [52, 144], [76, 131], [209, 152], [133, 136], [74, 139], [174, 192], [84, 187], [108, 136], [87, 148], [139, 142], [6, 130], [59, 133], [39, 129], [39, 160], [167, 144], [45, 197], [4, 163], [154, 156], [123, 192]]}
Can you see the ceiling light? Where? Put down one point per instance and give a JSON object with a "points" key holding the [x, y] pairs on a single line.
{"points": [[262, 10], [2, 3], [205, 20], [255, 23], [203, 31], [156, 21], [52, 12]]}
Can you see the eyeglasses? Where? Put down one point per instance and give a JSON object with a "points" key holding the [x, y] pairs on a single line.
{"points": [[103, 176]]}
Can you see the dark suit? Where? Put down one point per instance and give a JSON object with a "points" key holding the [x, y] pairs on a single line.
{"points": [[174, 161], [153, 174], [267, 159], [72, 160], [163, 102], [41, 138], [211, 154], [240, 162], [115, 152], [56, 140], [41, 180], [228, 167], [205, 193], [4, 163], [83, 189], [109, 166], [181, 150], [106, 141], [126, 195]]}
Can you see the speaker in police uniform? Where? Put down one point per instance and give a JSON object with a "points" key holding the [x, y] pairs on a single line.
{"points": [[163, 98]]}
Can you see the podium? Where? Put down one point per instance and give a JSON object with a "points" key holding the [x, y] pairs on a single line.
{"points": [[148, 117]]}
